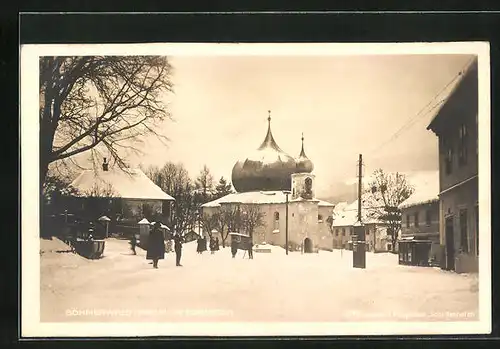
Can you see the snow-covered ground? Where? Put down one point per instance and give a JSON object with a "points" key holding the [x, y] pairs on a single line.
{"points": [[271, 287]]}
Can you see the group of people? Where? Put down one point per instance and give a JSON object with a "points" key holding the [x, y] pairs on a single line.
{"points": [[156, 246], [202, 245]]}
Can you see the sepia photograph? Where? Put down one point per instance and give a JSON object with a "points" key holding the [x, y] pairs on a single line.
{"points": [[255, 189]]}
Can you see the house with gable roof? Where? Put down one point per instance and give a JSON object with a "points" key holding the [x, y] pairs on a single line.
{"points": [[129, 191]]}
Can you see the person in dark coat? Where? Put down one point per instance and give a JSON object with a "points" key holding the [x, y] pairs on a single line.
{"points": [[199, 244], [205, 243], [216, 244], [178, 241], [249, 246], [234, 247], [212, 245], [156, 245], [133, 243]]}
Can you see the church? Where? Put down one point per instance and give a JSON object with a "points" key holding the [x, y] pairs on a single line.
{"points": [[277, 183]]}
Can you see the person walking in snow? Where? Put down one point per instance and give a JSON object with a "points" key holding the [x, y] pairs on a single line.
{"points": [[133, 243], [156, 245], [234, 247], [216, 244], [212, 245], [178, 241], [198, 247]]}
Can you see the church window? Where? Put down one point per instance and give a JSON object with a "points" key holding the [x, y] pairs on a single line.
{"points": [[320, 218], [276, 216]]}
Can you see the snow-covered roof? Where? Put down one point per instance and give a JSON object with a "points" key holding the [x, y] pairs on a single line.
{"points": [[325, 203], [349, 217], [340, 206], [132, 184], [253, 197], [426, 187]]}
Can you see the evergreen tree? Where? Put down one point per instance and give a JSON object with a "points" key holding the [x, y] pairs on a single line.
{"points": [[223, 188]]}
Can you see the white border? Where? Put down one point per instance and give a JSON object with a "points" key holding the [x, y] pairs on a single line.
{"points": [[30, 264]]}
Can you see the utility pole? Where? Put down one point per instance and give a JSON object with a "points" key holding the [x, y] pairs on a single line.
{"points": [[359, 246], [360, 174], [286, 192]]}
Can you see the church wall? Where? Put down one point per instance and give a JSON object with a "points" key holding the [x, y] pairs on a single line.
{"points": [[303, 222], [324, 233]]}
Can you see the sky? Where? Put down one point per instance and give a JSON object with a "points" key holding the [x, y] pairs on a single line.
{"points": [[344, 105]]}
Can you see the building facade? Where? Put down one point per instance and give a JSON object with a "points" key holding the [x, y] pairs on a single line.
{"points": [[420, 226], [456, 126], [343, 222]]}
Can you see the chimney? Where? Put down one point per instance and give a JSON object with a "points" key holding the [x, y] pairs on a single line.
{"points": [[105, 165]]}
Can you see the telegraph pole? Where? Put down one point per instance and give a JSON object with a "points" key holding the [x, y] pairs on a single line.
{"points": [[286, 192], [359, 246], [360, 175]]}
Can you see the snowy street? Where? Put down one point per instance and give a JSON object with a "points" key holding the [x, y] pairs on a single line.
{"points": [[271, 287]]}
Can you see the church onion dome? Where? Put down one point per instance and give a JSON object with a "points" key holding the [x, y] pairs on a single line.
{"points": [[304, 165], [268, 169]]}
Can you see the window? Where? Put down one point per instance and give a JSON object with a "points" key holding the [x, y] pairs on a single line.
{"points": [[343, 231], [462, 152], [336, 232], [448, 157], [416, 219], [407, 220], [276, 220], [464, 243], [320, 218], [428, 217], [367, 230]]}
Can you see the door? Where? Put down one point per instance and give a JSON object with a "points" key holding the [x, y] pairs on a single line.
{"points": [[450, 244], [308, 248]]}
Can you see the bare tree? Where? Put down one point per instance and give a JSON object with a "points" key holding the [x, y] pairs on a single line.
{"points": [[251, 218], [209, 222], [205, 182], [92, 102], [228, 221], [173, 178], [385, 193]]}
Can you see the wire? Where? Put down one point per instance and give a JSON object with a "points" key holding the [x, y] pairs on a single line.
{"points": [[416, 117]]}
